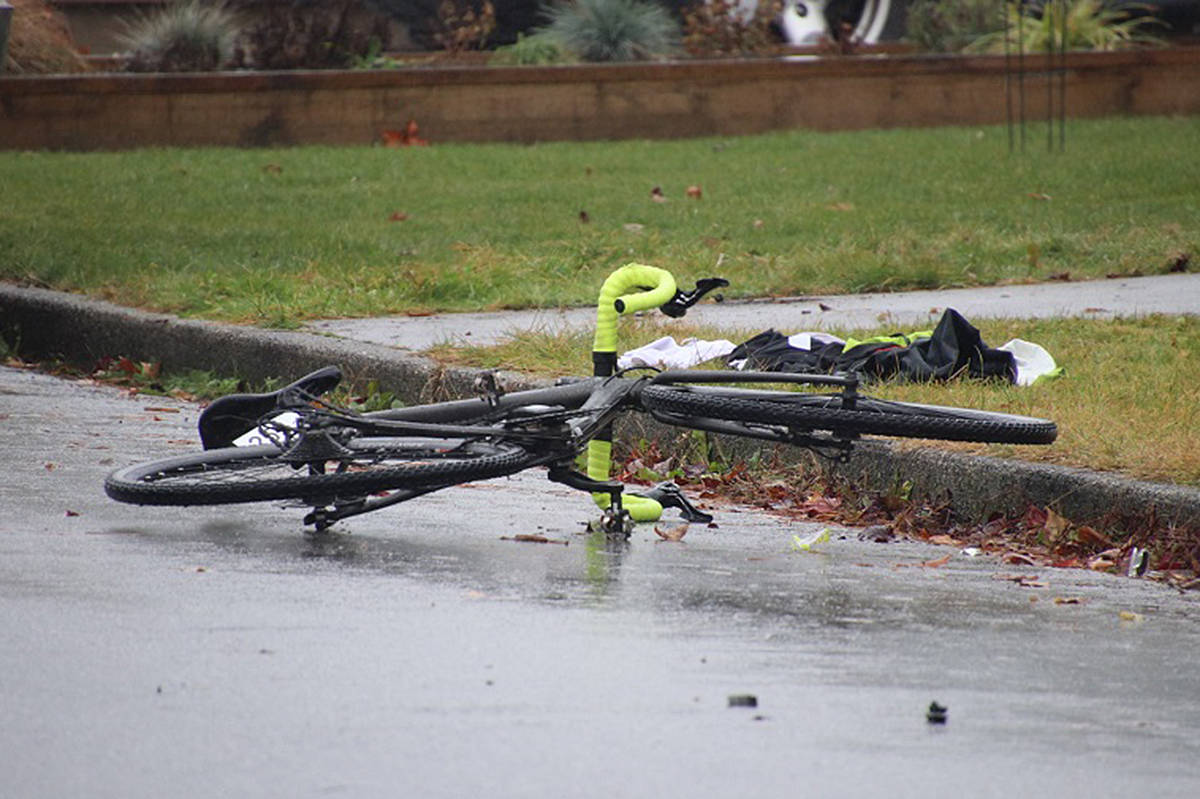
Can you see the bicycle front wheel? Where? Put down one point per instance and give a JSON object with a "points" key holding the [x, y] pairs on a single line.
{"points": [[262, 473], [869, 416]]}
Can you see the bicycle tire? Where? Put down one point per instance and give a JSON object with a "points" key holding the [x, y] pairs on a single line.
{"points": [[255, 474], [869, 416]]}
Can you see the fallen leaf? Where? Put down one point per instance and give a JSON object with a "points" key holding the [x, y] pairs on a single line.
{"points": [[1064, 277], [695, 192], [1092, 538], [933, 564], [1101, 564], [671, 533], [840, 207], [397, 216], [657, 195], [156, 409], [72, 513], [529, 538], [1039, 196], [1129, 615], [944, 540], [1095, 310], [409, 137], [824, 307], [1018, 559], [632, 227], [274, 169], [584, 218], [1068, 600], [758, 223]]}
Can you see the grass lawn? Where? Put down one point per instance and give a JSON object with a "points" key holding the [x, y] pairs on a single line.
{"points": [[274, 236]]}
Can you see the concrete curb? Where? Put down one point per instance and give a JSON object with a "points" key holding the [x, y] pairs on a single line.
{"points": [[45, 323]]}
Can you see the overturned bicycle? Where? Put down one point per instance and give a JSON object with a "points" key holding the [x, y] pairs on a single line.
{"points": [[293, 445]]}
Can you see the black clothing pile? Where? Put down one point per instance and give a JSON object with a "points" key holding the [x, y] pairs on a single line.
{"points": [[954, 347]]}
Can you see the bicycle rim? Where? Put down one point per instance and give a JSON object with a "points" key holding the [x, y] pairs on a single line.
{"points": [[261, 473], [869, 416]]}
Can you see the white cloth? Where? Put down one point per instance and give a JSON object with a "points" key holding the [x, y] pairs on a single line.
{"points": [[1032, 361], [666, 353]]}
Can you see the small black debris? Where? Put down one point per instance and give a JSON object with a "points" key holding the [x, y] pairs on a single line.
{"points": [[936, 713], [743, 700]]}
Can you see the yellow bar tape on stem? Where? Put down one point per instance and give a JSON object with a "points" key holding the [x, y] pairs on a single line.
{"points": [[617, 296], [632, 288]]}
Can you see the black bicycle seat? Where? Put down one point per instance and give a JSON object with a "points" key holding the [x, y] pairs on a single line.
{"points": [[227, 418]]}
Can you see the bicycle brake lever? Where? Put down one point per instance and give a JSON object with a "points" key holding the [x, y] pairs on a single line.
{"points": [[669, 496], [677, 306]]}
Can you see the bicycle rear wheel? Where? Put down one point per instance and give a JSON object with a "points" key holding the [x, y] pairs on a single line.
{"points": [[868, 416], [262, 473]]}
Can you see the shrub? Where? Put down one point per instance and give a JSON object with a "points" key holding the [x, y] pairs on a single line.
{"points": [[949, 25], [535, 50], [307, 34], [462, 26], [725, 27], [1090, 25], [39, 41], [613, 30], [184, 36]]}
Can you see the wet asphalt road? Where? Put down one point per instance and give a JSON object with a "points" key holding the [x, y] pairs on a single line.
{"points": [[220, 652]]}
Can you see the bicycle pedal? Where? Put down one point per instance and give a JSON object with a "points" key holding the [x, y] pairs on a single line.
{"points": [[669, 495]]}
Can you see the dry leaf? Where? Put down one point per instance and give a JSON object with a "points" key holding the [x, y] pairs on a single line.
{"points": [[397, 216], [584, 218], [695, 192], [1068, 600], [274, 169], [671, 533], [528, 538], [657, 195]]}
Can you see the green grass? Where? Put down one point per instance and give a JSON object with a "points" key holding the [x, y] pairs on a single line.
{"points": [[1129, 401], [276, 236]]}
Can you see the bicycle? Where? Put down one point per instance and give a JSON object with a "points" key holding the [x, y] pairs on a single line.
{"points": [[292, 445]]}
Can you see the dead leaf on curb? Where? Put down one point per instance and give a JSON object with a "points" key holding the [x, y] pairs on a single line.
{"points": [[1068, 600]]}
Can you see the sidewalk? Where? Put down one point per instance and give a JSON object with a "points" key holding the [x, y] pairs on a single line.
{"points": [[388, 350], [912, 310]]}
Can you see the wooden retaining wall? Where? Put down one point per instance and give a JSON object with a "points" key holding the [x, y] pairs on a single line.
{"points": [[528, 104]]}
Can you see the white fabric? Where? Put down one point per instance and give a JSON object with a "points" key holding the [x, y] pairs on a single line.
{"points": [[1032, 360], [666, 353], [809, 339]]}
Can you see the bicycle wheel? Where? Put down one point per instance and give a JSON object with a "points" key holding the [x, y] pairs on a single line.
{"points": [[260, 473], [869, 415]]}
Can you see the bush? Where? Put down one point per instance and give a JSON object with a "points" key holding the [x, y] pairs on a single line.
{"points": [[184, 36], [941, 26], [1090, 25], [724, 27], [39, 41], [307, 34], [613, 30], [535, 50]]}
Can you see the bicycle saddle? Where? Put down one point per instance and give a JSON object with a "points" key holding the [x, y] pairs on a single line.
{"points": [[230, 416]]}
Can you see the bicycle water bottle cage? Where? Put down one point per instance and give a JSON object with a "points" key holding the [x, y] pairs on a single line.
{"points": [[229, 417], [677, 306]]}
